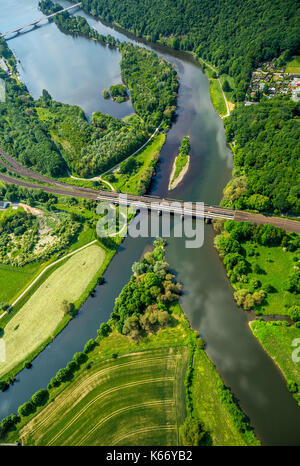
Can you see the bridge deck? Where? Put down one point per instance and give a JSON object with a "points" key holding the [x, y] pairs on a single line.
{"points": [[33, 23]]}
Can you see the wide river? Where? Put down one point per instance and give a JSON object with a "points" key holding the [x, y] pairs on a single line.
{"points": [[74, 71]]}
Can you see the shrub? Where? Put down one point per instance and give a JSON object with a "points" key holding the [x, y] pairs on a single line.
{"points": [[294, 313], [292, 386], [79, 358], [40, 397], [192, 432], [89, 346]]}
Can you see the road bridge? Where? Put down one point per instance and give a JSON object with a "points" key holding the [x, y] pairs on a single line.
{"points": [[37, 21]]}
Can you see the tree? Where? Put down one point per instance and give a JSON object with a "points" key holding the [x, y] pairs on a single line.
{"points": [[104, 330], [132, 327], [40, 397], [294, 313], [67, 307], [226, 87], [292, 386], [192, 432]]}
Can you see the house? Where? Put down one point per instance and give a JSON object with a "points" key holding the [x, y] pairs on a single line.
{"points": [[4, 205]]}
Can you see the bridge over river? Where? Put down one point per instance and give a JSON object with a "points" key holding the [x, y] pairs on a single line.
{"points": [[152, 203], [37, 21]]}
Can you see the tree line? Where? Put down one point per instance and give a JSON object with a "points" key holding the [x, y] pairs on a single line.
{"points": [[234, 35]]}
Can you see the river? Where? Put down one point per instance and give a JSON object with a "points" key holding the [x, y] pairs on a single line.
{"points": [[75, 70]]}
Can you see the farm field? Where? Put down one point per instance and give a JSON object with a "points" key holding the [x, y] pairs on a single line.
{"points": [[294, 65], [277, 338], [134, 399], [35, 323], [146, 160]]}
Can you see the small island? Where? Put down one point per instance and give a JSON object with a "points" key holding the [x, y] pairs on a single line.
{"points": [[181, 164], [117, 92]]}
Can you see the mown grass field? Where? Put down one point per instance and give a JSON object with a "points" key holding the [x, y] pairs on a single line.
{"points": [[216, 96], [294, 65], [146, 158], [39, 317], [209, 408], [275, 264], [131, 400], [277, 341]]}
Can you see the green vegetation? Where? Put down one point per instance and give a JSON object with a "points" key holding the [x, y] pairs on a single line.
{"points": [[23, 135], [13, 280], [130, 400], [26, 238], [227, 34], [151, 80], [262, 265], [118, 93], [181, 162], [142, 352], [76, 25], [135, 173], [293, 66], [36, 323], [89, 149], [154, 100], [215, 406], [51, 137], [266, 162], [281, 341], [216, 96]]}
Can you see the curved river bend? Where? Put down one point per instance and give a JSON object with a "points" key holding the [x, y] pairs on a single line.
{"points": [[75, 70]]}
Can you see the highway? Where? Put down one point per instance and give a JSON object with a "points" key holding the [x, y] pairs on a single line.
{"points": [[138, 202]]}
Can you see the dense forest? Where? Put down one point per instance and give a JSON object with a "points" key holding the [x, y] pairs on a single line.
{"points": [[232, 34], [266, 145], [152, 82]]}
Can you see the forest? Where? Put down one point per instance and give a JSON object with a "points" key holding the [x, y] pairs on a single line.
{"points": [[266, 143], [234, 35]]}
